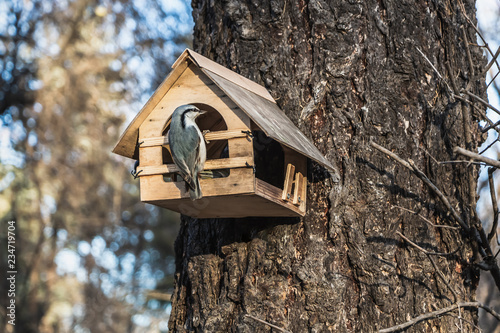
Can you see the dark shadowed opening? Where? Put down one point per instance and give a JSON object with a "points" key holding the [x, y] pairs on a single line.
{"points": [[269, 159]]}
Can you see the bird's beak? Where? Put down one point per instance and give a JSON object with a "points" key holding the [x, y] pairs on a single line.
{"points": [[202, 112]]}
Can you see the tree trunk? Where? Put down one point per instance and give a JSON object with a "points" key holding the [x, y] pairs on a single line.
{"points": [[346, 73]]}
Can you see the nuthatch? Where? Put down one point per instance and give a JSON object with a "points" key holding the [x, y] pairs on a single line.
{"points": [[188, 146]]}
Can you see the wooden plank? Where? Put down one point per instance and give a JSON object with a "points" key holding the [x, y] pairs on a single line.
{"points": [[150, 156], [222, 163], [157, 169], [154, 141], [235, 206], [287, 187], [297, 193], [226, 135], [126, 145], [239, 181], [303, 195], [210, 136], [272, 193]]}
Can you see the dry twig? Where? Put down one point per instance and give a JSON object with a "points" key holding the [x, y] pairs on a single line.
{"points": [[412, 167], [437, 313], [465, 152], [268, 324], [478, 235], [493, 203], [479, 99], [428, 254], [427, 220]]}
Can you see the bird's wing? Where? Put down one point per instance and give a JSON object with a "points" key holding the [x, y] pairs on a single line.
{"points": [[189, 144]]}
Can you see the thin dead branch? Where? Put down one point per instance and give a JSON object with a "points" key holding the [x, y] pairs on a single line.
{"points": [[484, 159], [462, 161], [481, 113], [412, 167], [268, 324], [428, 254], [479, 99], [469, 57], [434, 68], [438, 313], [444, 254], [492, 61], [478, 235], [493, 203], [427, 220], [486, 45], [492, 80], [489, 146]]}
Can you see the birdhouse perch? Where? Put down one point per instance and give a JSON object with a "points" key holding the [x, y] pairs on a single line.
{"points": [[256, 157]]}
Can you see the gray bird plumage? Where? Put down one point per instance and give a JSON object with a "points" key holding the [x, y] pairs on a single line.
{"points": [[188, 147]]}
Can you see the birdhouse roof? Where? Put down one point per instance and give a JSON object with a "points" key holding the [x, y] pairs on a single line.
{"points": [[251, 97]]}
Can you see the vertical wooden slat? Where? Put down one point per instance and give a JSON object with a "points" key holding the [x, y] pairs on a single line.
{"points": [[303, 195], [287, 188], [299, 183]]}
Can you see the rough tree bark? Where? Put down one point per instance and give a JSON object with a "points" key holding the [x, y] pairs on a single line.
{"points": [[346, 73]]}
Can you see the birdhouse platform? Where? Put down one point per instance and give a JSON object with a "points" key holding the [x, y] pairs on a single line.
{"points": [[256, 157]]}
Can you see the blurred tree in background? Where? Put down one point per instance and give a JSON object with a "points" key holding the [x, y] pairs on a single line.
{"points": [[71, 74]]}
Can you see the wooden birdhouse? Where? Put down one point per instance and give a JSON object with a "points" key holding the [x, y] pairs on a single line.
{"points": [[256, 158]]}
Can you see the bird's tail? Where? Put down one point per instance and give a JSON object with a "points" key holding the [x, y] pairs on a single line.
{"points": [[196, 193]]}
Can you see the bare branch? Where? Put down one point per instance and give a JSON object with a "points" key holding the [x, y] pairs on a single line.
{"points": [[392, 155], [493, 203], [428, 254], [424, 250], [489, 146], [492, 80], [478, 33], [462, 161], [493, 60], [479, 99], [427, 220], [465, 152], [440, 195], [434, 68], [412, 167], [469, 57], [481, 112], [437, 313], [268, 324]]}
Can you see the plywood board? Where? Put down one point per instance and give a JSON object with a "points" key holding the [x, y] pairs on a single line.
{"points": [[210, 136], [236, 206], [239, 181], [287, 187], [299, 184], [222, 163], [273, 194]]}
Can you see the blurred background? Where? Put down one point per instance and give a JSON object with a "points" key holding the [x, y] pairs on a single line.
{"points": [[73, 74]]}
